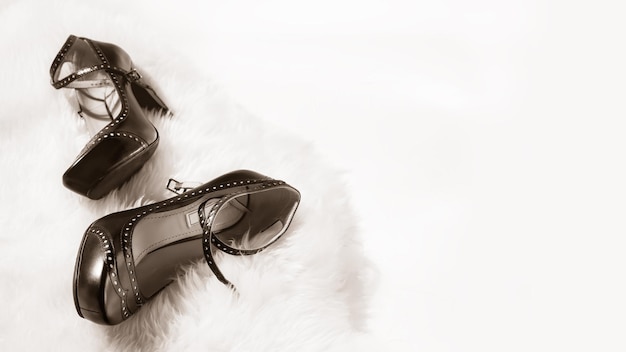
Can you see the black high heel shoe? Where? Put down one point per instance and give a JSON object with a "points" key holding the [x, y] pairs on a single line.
{"points": [[110, 95], [126, 258]]}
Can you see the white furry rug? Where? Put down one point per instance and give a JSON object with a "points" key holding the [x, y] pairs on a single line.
{"points": [[306, 293]]}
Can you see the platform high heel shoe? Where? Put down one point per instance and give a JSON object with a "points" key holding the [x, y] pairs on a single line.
{"points": [[126, 258], [113, 99]]}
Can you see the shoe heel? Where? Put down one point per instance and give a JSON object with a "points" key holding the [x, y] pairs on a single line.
{"points": [[148, 98]]}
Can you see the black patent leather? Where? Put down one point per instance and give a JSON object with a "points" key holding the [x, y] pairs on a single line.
{"points": [[119, 149], [106, 287]]}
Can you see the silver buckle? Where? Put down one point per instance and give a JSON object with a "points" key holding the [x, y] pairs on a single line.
{"points": [[181, 187], [133, 75]]}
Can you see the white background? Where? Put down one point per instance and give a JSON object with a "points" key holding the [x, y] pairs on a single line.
{"points": [[485, 146], [484, 142]]}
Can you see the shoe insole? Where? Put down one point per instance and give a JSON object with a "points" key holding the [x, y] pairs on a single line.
{"points": [[97, 100], [162, 242]]}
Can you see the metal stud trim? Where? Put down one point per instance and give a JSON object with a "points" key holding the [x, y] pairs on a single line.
{"points": [[111, 267], [126, 238], [210, 242], [132, 289], [117, 75]]}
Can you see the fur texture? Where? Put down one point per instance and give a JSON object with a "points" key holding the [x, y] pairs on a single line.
{"points": [[306, 293]]}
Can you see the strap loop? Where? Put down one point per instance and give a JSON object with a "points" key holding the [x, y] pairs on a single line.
{"points": [[180, 187], [133, 75]]}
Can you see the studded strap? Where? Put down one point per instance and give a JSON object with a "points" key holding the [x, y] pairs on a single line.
{"points": [[210, 242], [61, 54], [68, 81]]}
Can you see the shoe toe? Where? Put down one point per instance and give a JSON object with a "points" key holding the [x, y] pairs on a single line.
{"points": [[103, 168], [91, 281]]}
